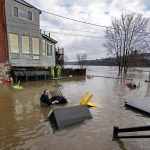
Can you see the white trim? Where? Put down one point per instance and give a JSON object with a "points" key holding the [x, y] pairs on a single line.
{"points": [[38, 45], [22, 10], [51, 51], [36, 57], [43, 45], [27, 51], [13, 50]]}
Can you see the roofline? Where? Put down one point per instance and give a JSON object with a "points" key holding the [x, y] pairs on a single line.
{"points": [[31, 6], [49, 38]]}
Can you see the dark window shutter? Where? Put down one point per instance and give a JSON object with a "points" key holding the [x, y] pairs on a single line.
{"points": [[29, 15], [15, 11]]}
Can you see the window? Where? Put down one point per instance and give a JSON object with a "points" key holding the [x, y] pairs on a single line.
{"points": [[14, 43], [15, 11], [29, 15], [49, 49], [25, 44], [35, 46], [22, 13], [43, 48]]}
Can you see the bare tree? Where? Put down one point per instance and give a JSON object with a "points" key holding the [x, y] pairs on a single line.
{"points": [[81, 57], [126, 35]]}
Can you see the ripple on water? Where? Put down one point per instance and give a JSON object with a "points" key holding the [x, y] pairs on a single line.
{"points": [[23, 122]]}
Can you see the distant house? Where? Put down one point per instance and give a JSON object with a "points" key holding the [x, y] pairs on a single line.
{"points": [[21, 42]]}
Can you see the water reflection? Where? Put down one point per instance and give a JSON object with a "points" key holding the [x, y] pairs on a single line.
{"points": [[121, 144], [24, 125]]}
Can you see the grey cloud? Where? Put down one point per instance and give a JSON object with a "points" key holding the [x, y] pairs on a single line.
{"points": [[65, 3], [106, 12], [51, 20], [83, 10], [109, 1], [93, 47]]}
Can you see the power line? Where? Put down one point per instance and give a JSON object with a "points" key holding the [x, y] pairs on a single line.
{"points": [[76, 35], [88, 36], [76, 20], [71, 29], [85, 21], [82, 30], [80, 22]]}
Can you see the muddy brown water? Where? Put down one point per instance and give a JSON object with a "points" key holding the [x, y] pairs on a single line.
{"points": [[23, 123]]}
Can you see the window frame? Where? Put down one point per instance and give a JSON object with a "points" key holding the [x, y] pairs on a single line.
{"points": [[18, 12], [38, 45], [43, 47], [50, 45], [16, 51], [25, 51]]}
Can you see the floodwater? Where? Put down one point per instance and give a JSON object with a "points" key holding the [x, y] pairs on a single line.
{"points": [[24, 125]]}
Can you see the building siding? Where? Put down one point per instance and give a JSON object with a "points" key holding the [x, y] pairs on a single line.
{"points": [[25, 27]]}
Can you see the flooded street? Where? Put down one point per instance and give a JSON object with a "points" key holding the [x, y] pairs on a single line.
{"points": [[23, 123]]}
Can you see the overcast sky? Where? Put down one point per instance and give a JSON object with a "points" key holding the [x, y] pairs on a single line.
{"points": [[94, 11]]}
